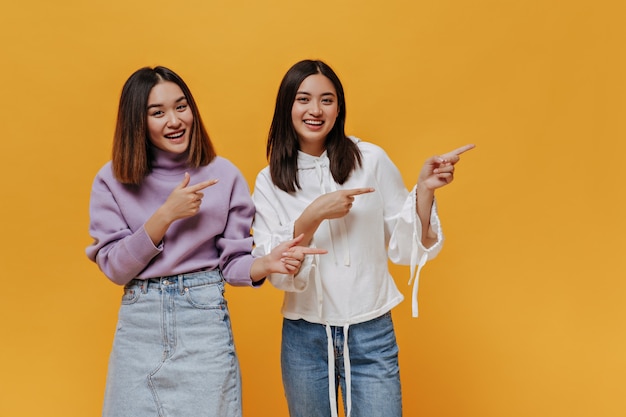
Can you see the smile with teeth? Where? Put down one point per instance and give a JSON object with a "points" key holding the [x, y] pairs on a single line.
{"points": [[314, 122], [175, 135]]}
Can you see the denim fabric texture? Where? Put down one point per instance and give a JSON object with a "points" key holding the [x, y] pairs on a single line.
{"points": [[375, 375], [173, 354]]}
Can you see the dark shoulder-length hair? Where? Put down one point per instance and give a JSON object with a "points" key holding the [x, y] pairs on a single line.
{"points": [[132, 156], [282, 142]]}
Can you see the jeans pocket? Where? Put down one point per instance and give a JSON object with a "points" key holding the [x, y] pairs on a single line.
{"points": [[209, 296], [130, 296]]}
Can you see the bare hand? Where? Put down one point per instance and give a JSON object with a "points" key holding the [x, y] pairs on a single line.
{"points": [[185, 200], [336, 204], [287, 257], [438, 171]]}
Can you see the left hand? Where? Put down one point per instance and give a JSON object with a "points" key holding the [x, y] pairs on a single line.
{"points": [[438, 171]]}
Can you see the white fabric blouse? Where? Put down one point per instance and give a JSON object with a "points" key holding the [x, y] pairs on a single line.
{"points": [[351, 283]]}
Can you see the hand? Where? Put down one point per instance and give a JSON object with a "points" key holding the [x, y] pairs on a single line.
{"points": [[438, 171], [184, 201], [287, 257], [337, 203]]}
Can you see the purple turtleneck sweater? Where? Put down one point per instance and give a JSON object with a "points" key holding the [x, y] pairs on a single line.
{"points": [[218, 236]]}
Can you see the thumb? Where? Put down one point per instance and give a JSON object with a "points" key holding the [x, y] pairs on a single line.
{"points": [[185, 181], [296, 240], [288, 244]]}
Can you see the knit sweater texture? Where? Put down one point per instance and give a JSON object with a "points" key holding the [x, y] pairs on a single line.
{"points": [[218, 236]]}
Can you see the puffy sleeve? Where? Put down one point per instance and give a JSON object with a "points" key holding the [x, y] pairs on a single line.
{"points": [[272, 226], [402, 225], [120, 253]]}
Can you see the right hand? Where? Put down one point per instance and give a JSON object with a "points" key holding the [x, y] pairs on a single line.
{"points": [[184, 201], [292, 255], [336, 204]]}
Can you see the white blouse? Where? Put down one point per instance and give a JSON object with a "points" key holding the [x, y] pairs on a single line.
{"points": [[351, 283]]}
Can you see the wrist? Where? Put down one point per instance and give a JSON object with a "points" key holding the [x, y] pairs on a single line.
{"points": [[260, 268], [422, 189]]}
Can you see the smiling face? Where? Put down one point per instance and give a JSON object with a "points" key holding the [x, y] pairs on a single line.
{"points": [[170, 118], [314, 112]]}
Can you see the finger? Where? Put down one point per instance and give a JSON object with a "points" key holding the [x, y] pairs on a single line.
{"points": [[358, 191], [311, 251], [446, 176], [293, 242], [445, 167], [290, 267], [286, 246], [291, 261], [202, 185], [185, 181], [462, 149]]}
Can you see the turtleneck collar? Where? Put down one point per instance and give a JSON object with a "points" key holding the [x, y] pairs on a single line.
{"points": [[167, 163]]}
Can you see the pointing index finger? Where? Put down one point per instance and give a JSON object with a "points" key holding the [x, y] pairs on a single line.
{"points": [[462, 149], [202, 185], [358, 191], [313, 251], [453, 156]]}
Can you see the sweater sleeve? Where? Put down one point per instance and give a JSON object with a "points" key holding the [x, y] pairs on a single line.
{"points": [[271, 227], [120, 253], [235, 243]]}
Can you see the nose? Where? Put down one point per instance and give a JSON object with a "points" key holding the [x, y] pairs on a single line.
{"points": [[172, 119], [315, 109]]}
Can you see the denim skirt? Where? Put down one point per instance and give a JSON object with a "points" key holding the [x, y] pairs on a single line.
{"points": [[173, 354]]}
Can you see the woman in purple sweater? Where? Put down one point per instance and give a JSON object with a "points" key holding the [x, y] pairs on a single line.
{"points": [[171, 222]]}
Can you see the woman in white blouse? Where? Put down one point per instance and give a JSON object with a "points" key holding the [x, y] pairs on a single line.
{"points": [[345, 195]]}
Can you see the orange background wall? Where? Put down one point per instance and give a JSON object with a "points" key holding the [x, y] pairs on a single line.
{"points": [[523, 313]]}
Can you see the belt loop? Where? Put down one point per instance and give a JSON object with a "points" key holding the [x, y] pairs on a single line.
{"points": [[181, 286], [144, 286]]}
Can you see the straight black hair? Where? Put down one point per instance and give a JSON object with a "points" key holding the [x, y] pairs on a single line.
{"points": [[282, 142]]}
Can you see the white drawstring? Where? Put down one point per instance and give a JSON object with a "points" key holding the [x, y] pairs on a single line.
{"points": [[414, 262], [346, 365], [331, 373], [415, 278], [340, 221], [332, 394]]}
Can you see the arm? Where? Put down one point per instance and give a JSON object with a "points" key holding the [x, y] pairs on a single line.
{"points": [[332, 205], [272, 225], [437, 172], [121, 252]]}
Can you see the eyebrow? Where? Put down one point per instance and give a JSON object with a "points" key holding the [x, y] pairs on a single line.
{"points": [[323, 94], [161, 105]]}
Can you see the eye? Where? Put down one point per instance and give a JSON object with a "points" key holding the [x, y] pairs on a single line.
{"points": [[328, 100], [182, 107], [156, 113], [303, 99]]}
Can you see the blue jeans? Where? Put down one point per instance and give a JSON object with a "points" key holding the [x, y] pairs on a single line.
{"points": [[173, 353], [375, 375]]}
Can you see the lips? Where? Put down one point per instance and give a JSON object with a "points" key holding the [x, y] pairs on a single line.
{"points": [[176, 135], [313, 125]]}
